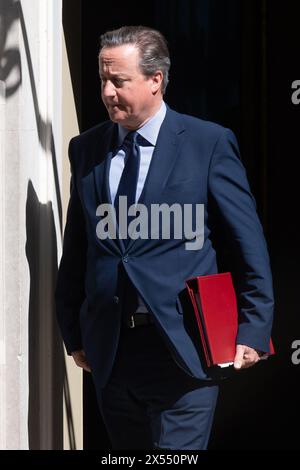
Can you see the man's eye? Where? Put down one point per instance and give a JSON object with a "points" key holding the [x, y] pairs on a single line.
{"points": [[119, 82], [116, 82]]}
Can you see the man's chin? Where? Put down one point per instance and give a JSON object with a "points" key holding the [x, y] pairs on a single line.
{"points": [[117, 116]]}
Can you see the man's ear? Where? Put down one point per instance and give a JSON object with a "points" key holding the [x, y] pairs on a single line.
{"points": [[157, 79]]}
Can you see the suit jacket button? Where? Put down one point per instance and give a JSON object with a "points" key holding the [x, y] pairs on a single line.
{"points": [[125, 259], [116, 299]]}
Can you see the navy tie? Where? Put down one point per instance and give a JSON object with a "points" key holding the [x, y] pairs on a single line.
{"points": [[127, 187], [128, 182]]}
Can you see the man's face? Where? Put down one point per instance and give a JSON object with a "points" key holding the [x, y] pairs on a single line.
{"points": [[129, 97]]}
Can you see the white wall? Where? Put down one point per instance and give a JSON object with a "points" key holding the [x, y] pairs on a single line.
{"points": [[29, 221], [74, 374]]}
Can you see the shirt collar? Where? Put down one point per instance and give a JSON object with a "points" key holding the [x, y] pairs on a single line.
{"points": [[149, 130]]}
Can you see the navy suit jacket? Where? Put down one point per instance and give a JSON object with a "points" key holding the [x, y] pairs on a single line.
{"points": [[194, 161]]}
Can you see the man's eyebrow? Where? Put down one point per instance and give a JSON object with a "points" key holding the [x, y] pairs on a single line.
{"points": [[114, 75]]}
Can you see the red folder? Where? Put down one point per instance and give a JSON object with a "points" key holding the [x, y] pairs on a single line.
{"points": [[215, 308]]}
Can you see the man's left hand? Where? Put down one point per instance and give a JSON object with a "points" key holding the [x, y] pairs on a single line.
{"points": [[246, 357]]}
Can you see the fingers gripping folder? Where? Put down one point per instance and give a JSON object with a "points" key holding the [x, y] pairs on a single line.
{"points": [[215, 308]]}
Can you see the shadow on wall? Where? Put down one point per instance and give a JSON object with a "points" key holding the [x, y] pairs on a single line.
{"points": [[47, 374], [10, 12], [48, 382], [10, 61], [45, 347]]}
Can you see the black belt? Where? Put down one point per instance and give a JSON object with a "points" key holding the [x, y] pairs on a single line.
{"points": [[139, 319]]}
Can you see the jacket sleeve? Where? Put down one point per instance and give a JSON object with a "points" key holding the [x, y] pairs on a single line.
{"points": [[70, 286], [238, 220]]}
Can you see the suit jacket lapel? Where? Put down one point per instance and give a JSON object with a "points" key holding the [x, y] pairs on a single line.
{"points": [[104, 151], [168, 148], [166, 152]]}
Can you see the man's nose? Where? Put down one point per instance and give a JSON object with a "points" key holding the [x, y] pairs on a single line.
{"points": [[108, 89]]}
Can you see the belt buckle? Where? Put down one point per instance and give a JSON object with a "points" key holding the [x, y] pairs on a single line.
{"points": [[131, 322]]}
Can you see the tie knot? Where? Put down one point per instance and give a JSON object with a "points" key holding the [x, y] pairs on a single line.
{"points": [[133, 137]]}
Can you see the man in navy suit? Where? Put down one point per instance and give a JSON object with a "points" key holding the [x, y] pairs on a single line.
{"points": [[119, 299]]}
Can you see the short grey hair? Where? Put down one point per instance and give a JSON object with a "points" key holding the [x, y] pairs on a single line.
{"points": [[151, 44]]}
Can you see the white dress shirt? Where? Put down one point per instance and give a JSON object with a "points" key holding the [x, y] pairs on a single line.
{"points": [[150, 132]]}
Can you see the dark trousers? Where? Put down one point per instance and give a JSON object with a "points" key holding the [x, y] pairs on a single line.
{"points": [[150, 402]]}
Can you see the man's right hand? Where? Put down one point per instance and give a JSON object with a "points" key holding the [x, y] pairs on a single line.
{"points": [[80, 360]]}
